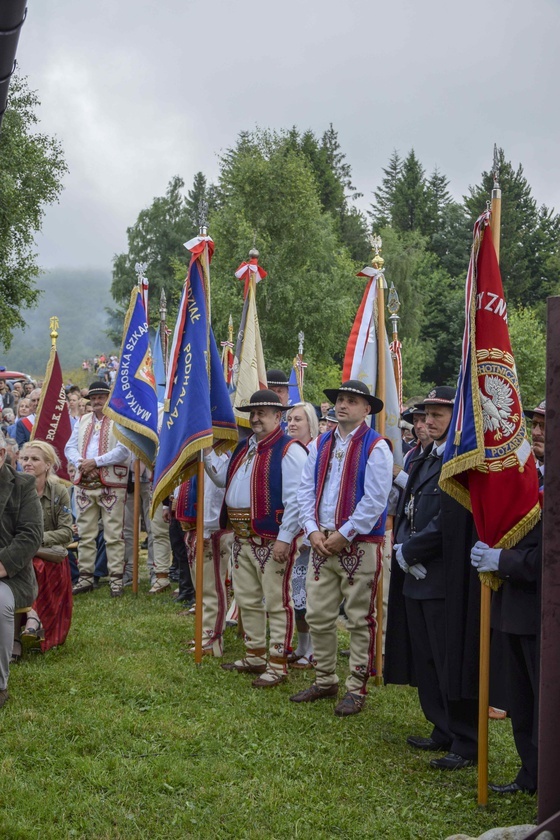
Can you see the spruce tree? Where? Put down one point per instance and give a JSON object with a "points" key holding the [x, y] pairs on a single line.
{"points": [[381, 212]]}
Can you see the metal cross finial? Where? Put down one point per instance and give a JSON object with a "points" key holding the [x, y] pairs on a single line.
{"points": [[301, 337], [203, 216], [496, 168], [140, 268]]}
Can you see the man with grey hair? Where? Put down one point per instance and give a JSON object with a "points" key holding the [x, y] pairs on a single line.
{"points": [[25, 424], [21, 533]]}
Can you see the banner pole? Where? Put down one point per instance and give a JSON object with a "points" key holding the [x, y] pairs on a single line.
{"points": [[485, 590], [136, 527], [380, 388], [199, 577]]}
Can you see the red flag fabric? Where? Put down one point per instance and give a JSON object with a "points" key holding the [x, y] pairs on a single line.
{"points": [[52, 420], [488, 463]]}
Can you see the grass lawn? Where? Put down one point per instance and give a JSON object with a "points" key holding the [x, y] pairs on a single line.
{"points": [[119, 735]]}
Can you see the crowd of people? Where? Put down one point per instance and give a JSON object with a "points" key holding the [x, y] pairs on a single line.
{"points": [[300, 521]]}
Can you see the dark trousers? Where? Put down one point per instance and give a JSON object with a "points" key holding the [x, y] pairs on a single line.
{"points": [[180, 559], [522, 680], [454, 721]]}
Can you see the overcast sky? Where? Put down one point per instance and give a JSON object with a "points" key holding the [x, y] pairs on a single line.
{"points": [[139, 91]]}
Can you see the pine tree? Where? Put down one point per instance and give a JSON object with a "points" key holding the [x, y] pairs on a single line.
{"points": [[197, 194], [381, 212], [411, 197]]}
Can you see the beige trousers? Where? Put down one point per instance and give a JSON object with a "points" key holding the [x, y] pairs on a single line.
{"points": [[257, 576], [351, 576], [109, 503], [217, 551], [161, 542]]}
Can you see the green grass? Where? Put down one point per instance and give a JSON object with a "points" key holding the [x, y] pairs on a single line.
{"points": [[119, 735]]}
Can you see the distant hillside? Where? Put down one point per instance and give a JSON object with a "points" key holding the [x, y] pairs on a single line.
{"points": [[78, 299]]}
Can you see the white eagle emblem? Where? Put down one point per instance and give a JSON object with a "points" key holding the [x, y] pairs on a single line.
{"points": [[496, 409]]}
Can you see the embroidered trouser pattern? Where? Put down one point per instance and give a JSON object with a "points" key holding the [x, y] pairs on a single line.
{"points": [[256, 576], [351, 576], [217, 551], [107, 503]]}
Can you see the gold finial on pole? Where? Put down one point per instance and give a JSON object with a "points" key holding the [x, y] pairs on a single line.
{"points": [[54, 330], [230, 330]]}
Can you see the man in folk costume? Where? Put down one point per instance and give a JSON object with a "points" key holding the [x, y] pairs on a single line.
{"points": [[516, 613], [427, 521], [217, 551], [261, 481], [278, 382], [101, 478], [343, 507]]}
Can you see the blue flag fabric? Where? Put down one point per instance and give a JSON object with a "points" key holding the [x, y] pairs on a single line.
{"points": [[197, 410], [132, 403], [294, 394], [159, 366]]}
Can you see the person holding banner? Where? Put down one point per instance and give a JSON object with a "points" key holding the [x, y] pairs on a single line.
{"points": [[261, 507], [343, 508], [101, 478]]}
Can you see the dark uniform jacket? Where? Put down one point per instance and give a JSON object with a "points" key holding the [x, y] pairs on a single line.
{"points": [[21, 532], [516, 604]]}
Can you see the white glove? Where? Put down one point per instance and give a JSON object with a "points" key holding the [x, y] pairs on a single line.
{"points": [[484, 558], [400, 559], [418, 571]]}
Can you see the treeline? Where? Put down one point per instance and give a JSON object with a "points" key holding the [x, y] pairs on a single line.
{"points": [[292, 194]]}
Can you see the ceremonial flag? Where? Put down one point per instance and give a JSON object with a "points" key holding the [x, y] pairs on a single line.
{"points": [[249, 370], [361, 360], [132, 403], [52, 418], [294, 393], [159, 366], [488, 464], [228, 354], [197, 409]]}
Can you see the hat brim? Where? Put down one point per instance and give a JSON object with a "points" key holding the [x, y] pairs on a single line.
{"points": [[530, 414], [375, 404], [408, 416], [99, 391], [251, 406]]}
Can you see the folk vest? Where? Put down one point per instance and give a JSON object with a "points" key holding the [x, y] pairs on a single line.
{"points": [[186, 504], [115, 475], [353, 478], [267, 507]]}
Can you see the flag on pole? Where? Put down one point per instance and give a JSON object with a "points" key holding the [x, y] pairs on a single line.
{"points": [[361, 359], [159, 366], [52, 419], [294, 392], [132, 403], [228, 354], [488, 464], [249, 370], [197, 409]]}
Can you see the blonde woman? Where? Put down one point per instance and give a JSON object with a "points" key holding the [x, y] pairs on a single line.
{"points": [[49, 620], [303, 426]]}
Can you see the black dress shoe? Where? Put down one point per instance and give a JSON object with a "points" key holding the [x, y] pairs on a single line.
{"points": [[426, 744], [452, 761], [513, 787]]}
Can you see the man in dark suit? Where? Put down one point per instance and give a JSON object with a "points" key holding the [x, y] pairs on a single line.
{"points": [[426, 520], [516, 613]]}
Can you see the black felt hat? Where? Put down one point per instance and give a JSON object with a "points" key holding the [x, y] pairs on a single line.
{"points": [[98, 388], [354, 386], [276, 377], [408, 415], [263, 399]]}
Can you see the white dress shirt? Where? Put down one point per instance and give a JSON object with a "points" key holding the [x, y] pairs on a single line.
{"points": [[238, 494], [377, 484], [118, 455]]}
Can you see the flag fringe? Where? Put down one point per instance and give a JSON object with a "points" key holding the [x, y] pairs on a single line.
{"points": [[128, 442], [521, 528]]}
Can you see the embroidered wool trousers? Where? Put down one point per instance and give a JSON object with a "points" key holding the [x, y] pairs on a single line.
{"points": [[217, 551], [352, 577], [257, 576], [107, 503]]}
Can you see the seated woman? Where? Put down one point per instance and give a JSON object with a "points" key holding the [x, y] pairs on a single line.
{"points": [[49, 620]]}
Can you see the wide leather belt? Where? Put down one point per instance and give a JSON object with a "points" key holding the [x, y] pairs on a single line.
{"points": [[90, 485], [240, 520]]}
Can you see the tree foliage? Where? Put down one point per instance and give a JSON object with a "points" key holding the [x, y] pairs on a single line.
{"points": [[31, 170]]}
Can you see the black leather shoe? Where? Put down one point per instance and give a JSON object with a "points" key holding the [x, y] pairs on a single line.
{"points": [[452, 761], [314, 692], [513, 787], [426, 744]]}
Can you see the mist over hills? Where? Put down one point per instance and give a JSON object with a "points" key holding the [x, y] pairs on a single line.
{"points": [[78, 298]]}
